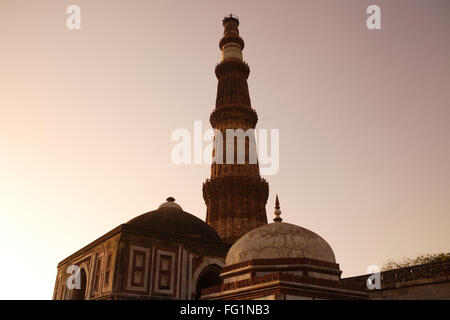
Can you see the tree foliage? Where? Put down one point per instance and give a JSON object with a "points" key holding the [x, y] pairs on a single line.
{"points": [[421, 259]]}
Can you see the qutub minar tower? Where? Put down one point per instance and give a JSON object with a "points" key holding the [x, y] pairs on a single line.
{"points": [[169, 253], [236, 195]]}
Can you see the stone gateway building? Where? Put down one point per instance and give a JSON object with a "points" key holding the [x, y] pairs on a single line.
{"points": [[171, 254]]}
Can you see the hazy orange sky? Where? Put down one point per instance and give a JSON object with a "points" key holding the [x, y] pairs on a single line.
{"points": [[86, 118]]}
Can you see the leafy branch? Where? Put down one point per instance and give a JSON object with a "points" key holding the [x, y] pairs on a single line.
{"points": [[421, 259]]}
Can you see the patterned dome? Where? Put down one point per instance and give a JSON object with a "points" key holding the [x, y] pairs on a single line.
{"points": [[280, 240]]}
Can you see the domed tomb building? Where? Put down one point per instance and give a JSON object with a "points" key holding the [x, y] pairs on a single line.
{"points": [[281, 261], [163, 254]]}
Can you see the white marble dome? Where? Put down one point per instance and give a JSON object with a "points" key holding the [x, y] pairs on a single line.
{"points": [[279, 240]]}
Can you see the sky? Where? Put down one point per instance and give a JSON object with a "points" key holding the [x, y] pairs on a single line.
{"points": [[86, 118]]}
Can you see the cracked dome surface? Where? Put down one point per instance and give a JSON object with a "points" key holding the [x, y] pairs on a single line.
{"points": [[280, 240]]}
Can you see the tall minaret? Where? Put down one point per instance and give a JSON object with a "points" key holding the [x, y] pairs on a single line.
{"points": [[236, 195]]}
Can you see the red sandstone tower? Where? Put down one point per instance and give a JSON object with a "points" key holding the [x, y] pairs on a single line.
{"points": [[236, 195]]}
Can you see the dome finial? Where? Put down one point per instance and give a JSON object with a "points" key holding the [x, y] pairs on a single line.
{"points": [[277, 210], [170, 204]]}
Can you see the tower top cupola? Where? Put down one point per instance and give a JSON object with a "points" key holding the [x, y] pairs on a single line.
{"points": [[231, 44]]}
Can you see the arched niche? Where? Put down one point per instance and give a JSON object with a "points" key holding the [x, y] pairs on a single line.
{"points": [[208, 277]]}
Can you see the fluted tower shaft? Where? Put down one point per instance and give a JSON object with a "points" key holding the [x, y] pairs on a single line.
{"points": [[236, 195]]}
